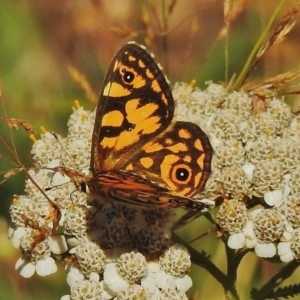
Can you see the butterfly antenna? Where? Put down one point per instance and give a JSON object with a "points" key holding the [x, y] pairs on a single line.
{"points": [[61, 145]]}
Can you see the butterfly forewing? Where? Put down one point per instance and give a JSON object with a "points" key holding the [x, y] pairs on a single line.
{"points": [[135, 105]]}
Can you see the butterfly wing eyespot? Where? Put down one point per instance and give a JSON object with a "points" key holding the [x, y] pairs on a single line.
{"points": [[127, 75], [182, 173]]}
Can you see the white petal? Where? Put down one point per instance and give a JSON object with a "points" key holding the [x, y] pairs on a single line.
{"points": [[73, 242], [149, 283], [183, 284], [54, 163], [46, 266], [236, 241], [265, 249], [287, 178], [59, 179], [112, 281], [255, 212], [250, 243], [249, 234], [273, 198], [58, 244], [74, 276], [94, 277], [105, 295], [25, 268], [18, 233], [65, 297], [287, 188], [286, 235], [285, 252], [165, 281], [248, 168], [215, 142], [153, 268], [156, 295], [10, 232]]}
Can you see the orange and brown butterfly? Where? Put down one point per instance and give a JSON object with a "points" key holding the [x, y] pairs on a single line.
{"points": [[139, 156]]}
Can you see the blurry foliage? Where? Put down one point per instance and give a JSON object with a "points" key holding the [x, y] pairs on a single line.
{"points": [[40, 39]]}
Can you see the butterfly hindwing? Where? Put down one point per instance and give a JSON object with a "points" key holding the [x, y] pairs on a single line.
{"points": [[178, 159], [130, 188]]}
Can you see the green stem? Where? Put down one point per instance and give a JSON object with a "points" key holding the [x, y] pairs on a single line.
{"points": [[275, 281], [233, 260], [164, 35], [201, 260], [243, 74]]}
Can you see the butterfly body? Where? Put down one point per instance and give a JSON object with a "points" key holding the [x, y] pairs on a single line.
{"points": [[139, 156]]}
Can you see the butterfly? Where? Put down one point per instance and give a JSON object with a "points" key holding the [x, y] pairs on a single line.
{"points": [[139, 156]]}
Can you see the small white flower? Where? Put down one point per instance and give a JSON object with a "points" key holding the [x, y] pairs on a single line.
{"points": [[132, 266], [42, 267], [175, 261], [86, 289]]}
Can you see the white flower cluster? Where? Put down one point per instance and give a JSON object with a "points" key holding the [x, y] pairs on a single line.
{"points": [[256, 164], [53, 221]]}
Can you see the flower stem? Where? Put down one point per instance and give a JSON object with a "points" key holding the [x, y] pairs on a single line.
{"points": [[243, 74], [275, 281], [203, 261]]}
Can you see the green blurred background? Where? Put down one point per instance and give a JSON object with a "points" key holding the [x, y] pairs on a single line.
{"points": [[40, 39]]}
